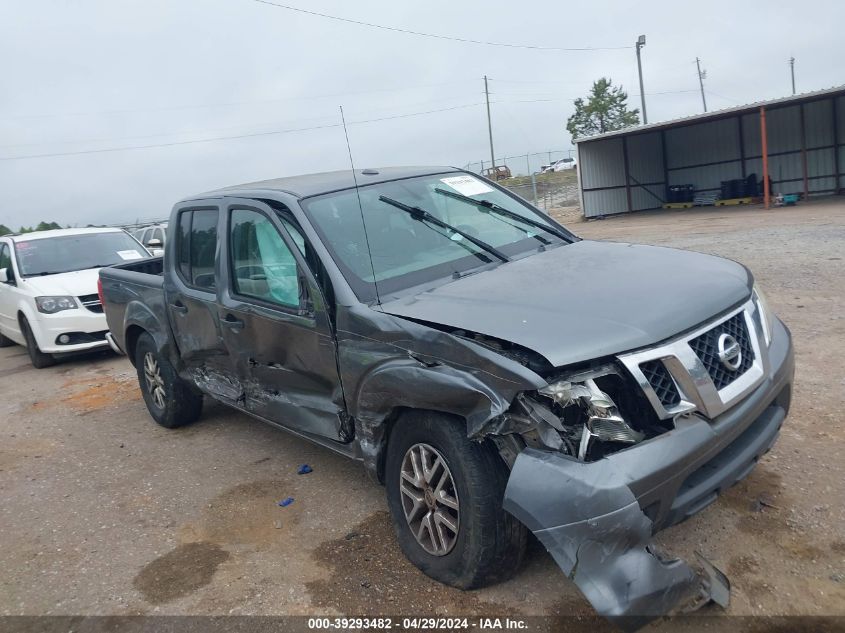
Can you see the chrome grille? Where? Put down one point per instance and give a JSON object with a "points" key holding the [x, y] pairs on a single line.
{"points": [[707, 349], [660, 380], [689, 366], [92, 302]]}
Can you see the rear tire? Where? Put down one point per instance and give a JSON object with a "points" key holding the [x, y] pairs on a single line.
{"points": [[39, 359], [171, 401], [490, 543]]}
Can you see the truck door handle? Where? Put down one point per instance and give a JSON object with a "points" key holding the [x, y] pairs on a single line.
{"points": [[233, 323], [179, 307]]}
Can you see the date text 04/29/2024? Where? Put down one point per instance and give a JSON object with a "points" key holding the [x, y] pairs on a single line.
{"points": [[417, 624]]}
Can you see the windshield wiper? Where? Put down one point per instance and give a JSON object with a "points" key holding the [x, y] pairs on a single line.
{"points": [[483, 205], [424, 216]]}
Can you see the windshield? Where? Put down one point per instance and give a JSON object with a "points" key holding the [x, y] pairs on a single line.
{"points": [[404, 251], [66, 253]]}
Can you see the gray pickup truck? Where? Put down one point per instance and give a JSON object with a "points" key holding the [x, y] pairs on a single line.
{"points": [[496, 373]]}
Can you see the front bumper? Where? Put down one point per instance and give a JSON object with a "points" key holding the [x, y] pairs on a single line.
{"points": [[596, 519], [86, 329]]}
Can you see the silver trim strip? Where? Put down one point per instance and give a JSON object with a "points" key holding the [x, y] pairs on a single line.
{"points": [[690, 375]]}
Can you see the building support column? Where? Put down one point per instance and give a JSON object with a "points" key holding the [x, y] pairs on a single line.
{"points": [[627, 174], [836, 186], [741, 145], [665, 166], [764, 146], [804, 153]]}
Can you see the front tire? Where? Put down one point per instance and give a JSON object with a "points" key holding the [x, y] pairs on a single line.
{"points": [[171, 401], [445, 495], [39, 359]]}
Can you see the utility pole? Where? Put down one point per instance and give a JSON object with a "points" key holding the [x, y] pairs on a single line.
{"points": [[640, 44], [489, 123], [701, 75], [792, 71]]}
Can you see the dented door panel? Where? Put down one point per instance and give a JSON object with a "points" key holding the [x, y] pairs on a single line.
{"points": [[289, 370], [284, 355]]}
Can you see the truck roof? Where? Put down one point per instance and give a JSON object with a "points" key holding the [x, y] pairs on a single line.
{"points": [[307, 185]]}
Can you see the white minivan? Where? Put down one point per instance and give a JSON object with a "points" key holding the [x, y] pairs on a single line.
{"points": [[48, 289]]}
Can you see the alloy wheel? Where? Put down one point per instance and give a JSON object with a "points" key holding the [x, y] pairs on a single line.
{"points": [[155, 383], [429, 499]]}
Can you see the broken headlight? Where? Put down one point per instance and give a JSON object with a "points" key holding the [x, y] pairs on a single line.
{"points": [[587, 412]]}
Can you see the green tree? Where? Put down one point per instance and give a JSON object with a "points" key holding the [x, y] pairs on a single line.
{"points": [[605, 110], [4, 230], [47, 226]]}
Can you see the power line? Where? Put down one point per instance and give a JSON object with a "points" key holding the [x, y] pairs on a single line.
{"points": [[136, 137], [435, 35], [233, 136], [235, 103]]}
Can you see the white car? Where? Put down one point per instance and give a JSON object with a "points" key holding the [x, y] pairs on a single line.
{"points": [[48, 289], [563, 164]]}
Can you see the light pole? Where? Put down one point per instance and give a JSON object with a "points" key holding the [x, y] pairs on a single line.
{"points": [[640, 44], [792, 71]]}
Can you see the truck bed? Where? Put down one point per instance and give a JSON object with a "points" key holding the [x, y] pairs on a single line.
{"points": [[131, 292]]}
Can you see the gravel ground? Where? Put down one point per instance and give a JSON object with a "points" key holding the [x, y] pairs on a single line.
{"points": [[105, 513]]}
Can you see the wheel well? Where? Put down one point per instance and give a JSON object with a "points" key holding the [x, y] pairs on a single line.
{"points": [[387, 426], [133, 333]]}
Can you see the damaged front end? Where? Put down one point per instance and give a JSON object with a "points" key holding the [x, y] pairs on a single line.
{"points": [[577, 415], [570, 486]]}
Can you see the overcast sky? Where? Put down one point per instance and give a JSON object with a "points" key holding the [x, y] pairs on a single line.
{"points": [[82, 75]]}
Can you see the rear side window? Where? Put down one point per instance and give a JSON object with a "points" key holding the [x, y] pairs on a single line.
{"points": [[183, 243], [196, 245]]}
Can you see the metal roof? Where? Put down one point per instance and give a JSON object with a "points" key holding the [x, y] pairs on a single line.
{"points": [[307, 185], [716, 114]]}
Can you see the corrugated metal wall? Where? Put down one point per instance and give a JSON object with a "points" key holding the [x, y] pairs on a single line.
{"points": [[840, 128], [705, 154]]}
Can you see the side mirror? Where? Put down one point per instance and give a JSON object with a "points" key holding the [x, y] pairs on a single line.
{"points": [[4, 276], [154, 243]]}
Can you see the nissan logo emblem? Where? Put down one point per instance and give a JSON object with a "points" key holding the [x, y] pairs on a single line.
{"points": [[730, 353]]}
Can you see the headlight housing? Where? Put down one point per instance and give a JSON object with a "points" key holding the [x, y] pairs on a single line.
{"points": [[765, 314], [51, 305]]}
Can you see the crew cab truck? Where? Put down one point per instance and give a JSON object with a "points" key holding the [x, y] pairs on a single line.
{"points": [[495, 372], [48, 289]]}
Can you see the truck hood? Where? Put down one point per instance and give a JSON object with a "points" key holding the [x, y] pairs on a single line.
{"points": [[585, 300], [72, 284]]}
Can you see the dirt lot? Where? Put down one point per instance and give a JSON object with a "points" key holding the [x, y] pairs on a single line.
{"points": [[103, 512]]}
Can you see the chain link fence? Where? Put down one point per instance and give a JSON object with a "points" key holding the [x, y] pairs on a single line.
{"points": [[546, 191], [524, 164]]}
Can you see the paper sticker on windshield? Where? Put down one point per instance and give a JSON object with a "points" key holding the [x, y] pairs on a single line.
{"points": [[466, 185], [127, 255]]}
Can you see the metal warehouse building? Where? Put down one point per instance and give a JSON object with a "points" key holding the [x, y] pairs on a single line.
{"points": [[799, 141]]}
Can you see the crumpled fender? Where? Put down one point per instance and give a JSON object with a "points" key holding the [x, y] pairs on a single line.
{"points": [[595, 530], [389, 363]]}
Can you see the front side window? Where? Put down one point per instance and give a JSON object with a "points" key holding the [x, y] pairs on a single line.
{"points": [[6, 259], [67, 253], [262, 265], [196, 246]]}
